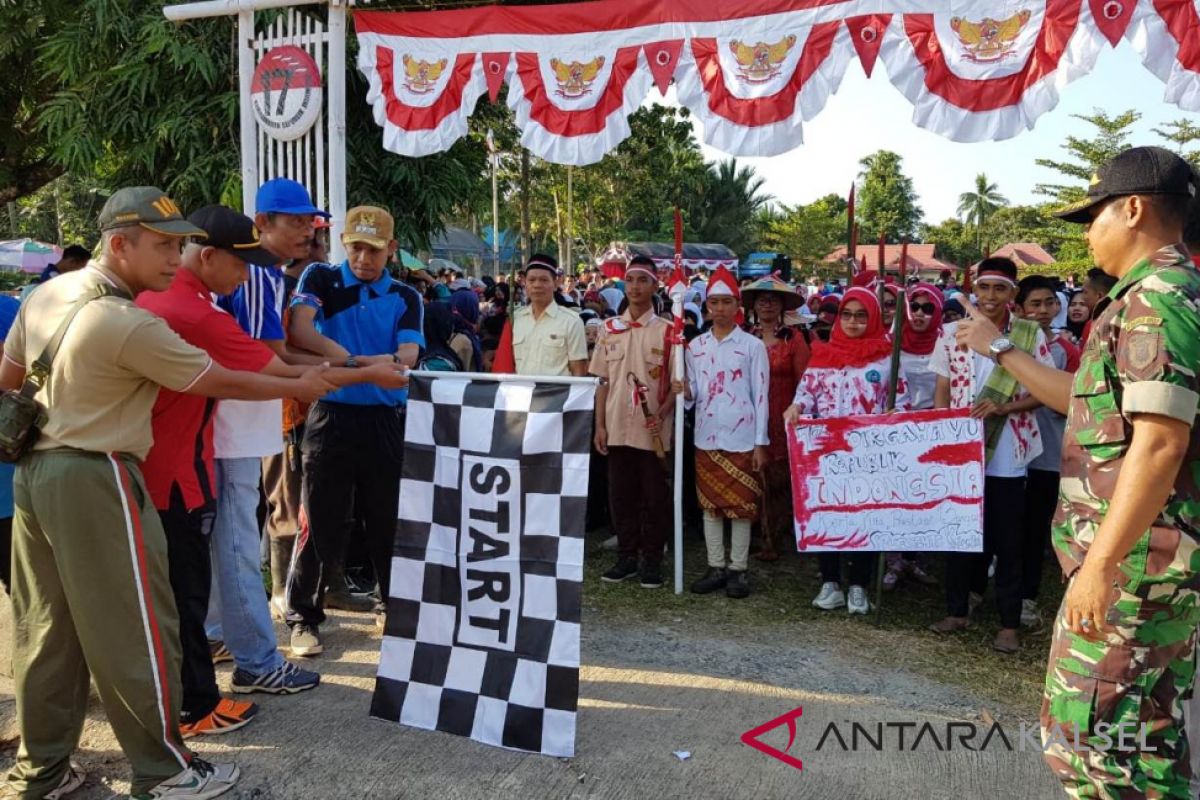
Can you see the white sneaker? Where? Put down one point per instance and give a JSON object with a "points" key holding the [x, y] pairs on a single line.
{"points": [[71, 780], [831, 597], [200, 781], [858, 603], [609, 544]]}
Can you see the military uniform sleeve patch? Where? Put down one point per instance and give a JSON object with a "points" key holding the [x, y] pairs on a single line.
{"points": [[1140, 354]]}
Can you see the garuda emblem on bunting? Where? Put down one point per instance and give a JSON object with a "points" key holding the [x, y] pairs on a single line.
{"points": [[420, 76], [990, 40], [575, 79], [759, 63]]}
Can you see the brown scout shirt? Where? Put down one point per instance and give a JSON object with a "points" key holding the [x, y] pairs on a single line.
{"points": [[625, 347]]}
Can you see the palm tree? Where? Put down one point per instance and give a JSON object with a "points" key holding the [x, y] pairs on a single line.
{"points": [[732, 198], [978, 206]]}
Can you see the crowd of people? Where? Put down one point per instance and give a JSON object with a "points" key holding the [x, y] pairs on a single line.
{"points": [[220, 399]]}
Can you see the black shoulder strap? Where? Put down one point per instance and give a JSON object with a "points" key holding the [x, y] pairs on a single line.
{"points": [[40, 372]]}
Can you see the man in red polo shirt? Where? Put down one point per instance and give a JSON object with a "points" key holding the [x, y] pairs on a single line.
{"points": [[179, 468]]}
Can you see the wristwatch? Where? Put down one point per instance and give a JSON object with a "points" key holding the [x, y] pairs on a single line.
{"points": [[351, 362], [999, 346]]}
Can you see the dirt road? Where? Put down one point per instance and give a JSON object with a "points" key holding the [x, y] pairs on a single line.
{"points": [[645, 694]]}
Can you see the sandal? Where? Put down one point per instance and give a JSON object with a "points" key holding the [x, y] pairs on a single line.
{"points": [[950, 625], [1007, 642]]}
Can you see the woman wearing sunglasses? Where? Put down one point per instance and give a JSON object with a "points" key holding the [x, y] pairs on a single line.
{"points": [[848, 375], [922, 328]]}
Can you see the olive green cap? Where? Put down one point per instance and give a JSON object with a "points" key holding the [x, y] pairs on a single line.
{"points": [[148, 207]]}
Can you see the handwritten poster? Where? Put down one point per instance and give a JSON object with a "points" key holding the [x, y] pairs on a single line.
{"points": [[895, 482]]}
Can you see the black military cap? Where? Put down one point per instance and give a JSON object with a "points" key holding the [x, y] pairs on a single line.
{"points": [[1138, 170], [232, 232]]}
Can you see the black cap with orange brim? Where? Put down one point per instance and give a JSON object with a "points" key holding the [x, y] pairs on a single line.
{"points": [[1138, 170]]}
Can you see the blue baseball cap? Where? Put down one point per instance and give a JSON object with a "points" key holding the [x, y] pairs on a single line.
{"points": [[284, 196]]}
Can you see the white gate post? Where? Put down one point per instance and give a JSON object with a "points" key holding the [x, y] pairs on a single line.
{"points": [[249, 142], [337, 127]]}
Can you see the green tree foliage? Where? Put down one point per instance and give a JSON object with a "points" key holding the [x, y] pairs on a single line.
{"points": [[1111, 136], [25, 163], [140, 100], [955, 241], [977, 207], [114, 94], [630, 195], [1035, 224], [807, 233], [725, 211], [1181, 135], [887, 202]]}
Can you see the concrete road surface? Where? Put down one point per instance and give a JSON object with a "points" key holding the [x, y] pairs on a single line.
{"points": [[646, 693]]}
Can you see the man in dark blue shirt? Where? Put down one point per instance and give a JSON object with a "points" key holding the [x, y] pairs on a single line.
{"points": [[73, 258], [353, 313]]}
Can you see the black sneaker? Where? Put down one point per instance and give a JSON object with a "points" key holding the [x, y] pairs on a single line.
{"points": [[624, 568], [713, 579], [737, 587], [651, 576]]}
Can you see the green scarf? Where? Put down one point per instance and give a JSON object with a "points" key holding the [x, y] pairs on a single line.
{"points": [[1001, 386]]}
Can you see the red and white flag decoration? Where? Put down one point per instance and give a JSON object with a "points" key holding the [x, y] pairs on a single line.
{"points": [[1166, 34], [990, 68], [751, 71], [752, 94]]}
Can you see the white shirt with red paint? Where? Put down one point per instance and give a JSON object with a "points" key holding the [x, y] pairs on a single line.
{"points": [[826, 392], [728, 379], [1021, 441]]}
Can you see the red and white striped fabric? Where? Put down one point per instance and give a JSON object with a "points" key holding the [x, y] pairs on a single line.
{"points": [[1166, 34], [751, 71]]}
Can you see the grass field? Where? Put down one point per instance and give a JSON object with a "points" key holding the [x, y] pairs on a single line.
{"points": [[780, 604]]}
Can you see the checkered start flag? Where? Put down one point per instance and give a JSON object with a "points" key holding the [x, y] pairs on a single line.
{"points": [[482, 635]]}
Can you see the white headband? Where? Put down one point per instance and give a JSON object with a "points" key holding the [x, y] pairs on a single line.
{"points": [[994, 276]]}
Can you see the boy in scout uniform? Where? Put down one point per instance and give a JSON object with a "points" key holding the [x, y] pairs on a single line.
{"points": [[633, 413], [1123, 653], [90, 588]]}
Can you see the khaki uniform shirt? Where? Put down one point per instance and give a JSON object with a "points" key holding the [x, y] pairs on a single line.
{"points": [[548, 345], [627, 346], [105, 378], [1143, 357]]}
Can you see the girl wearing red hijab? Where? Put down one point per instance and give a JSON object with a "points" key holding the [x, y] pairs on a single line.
{"points": [[922, 327], [848, 375]]}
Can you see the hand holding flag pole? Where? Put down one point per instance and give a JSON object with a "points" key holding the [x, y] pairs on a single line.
{"points": [[677, 288], [893, 385]]}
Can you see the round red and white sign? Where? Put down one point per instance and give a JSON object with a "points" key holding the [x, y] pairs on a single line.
{"points": [[286, 92]]}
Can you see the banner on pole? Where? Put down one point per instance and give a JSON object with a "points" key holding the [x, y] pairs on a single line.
{"points": [[909, 481], [482, 633]]}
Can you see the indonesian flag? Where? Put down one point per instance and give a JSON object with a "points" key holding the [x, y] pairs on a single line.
{"points": [[505, 362], [493, 153]]}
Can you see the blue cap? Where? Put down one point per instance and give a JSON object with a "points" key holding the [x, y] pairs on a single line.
{"points": [[284, 196]]}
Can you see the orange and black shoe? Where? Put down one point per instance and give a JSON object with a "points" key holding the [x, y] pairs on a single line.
{"points": [[229, 715]]}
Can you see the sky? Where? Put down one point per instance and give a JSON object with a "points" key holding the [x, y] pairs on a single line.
{"points": [[867, 115]]}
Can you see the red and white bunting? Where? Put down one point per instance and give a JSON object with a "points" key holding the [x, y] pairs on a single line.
{"points": [[988, 71], [751, 71], [1166, 34]]}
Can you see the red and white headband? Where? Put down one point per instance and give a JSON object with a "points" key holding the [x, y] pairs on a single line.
{"points": [[994, 275]]}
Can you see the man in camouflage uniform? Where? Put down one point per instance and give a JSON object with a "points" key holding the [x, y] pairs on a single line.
{"points": [[1123, 653]]}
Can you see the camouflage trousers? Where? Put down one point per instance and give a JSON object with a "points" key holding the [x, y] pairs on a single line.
{"points": [[1112, 713]]}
